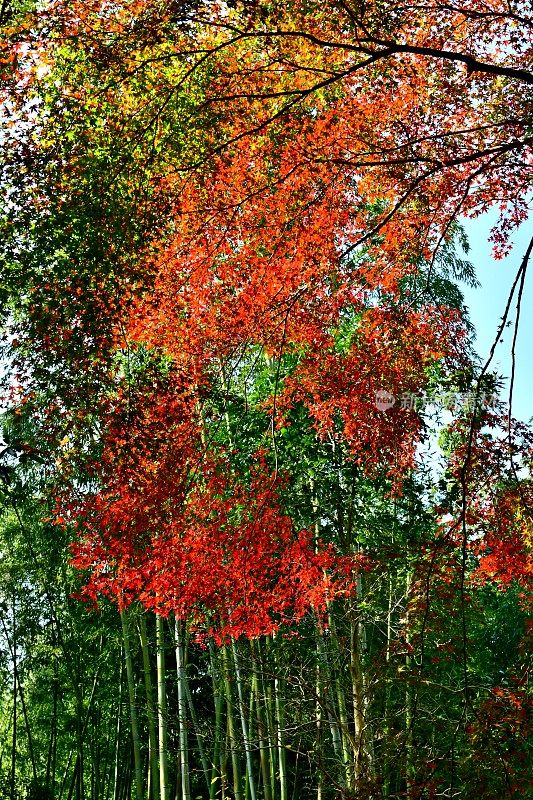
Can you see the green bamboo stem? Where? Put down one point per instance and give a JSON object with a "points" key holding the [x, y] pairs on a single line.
{"points": [[244, 723], [236, 768], [409, 702], [342, 715], [182, 713], [280, 727], [261, 727], [150, 713], [133, 707], [324, 683], [386, 710], [198, 733], [162, 714], [218, 756], [267, 689], [118, 729]]}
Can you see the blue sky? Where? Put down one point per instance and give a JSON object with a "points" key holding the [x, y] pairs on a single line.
{"points": [[487, 304]]}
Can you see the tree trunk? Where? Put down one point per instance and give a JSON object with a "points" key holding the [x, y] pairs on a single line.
{"points": [[409, 704], [150, 712], [182, 712], [261, 726], [342, 714], [197, 731], [161, 707], [236, 768], [360, 767], [118, 731], [280, 727], [244, 724], [324, 683], [14, 728], [133, 707], [218, 756]]}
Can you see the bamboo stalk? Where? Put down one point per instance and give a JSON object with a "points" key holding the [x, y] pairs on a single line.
{"points": [[324, 682], [198, 734], [150, 713], [386, 710], [409, 702], [218, 756], [244, 723], [162, 707], [133, 708], [270, 715], [342, 716], [14, 728], [118, 727], [261, 727], [237, 789], [182, 713], [280, 726]]}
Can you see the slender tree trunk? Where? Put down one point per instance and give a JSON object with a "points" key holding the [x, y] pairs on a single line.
{"points": [[344, 729], [182, 712], [358, 702], [118, 729], [74, 782], [250, 740], [342, 714], [217, 746], [270, 714], [18, 690], [162, 707], [133, 707], [261, 725], [126, 782], [325, 683], [244, 724], [103, 760], [197, 731], [224, 766], [318, 725], [94, 753], [50, 766], [54, 764], [236, 768], [65, 773], [150, 712], [386, 710], [409, 704], [280, 728], [218, 756], [14, 728]]}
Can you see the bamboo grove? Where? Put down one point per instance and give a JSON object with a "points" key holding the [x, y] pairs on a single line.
{"points": [[266, 520]]}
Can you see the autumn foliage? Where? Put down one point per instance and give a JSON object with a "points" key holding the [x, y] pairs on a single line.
{"points": [[229, 226]]}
